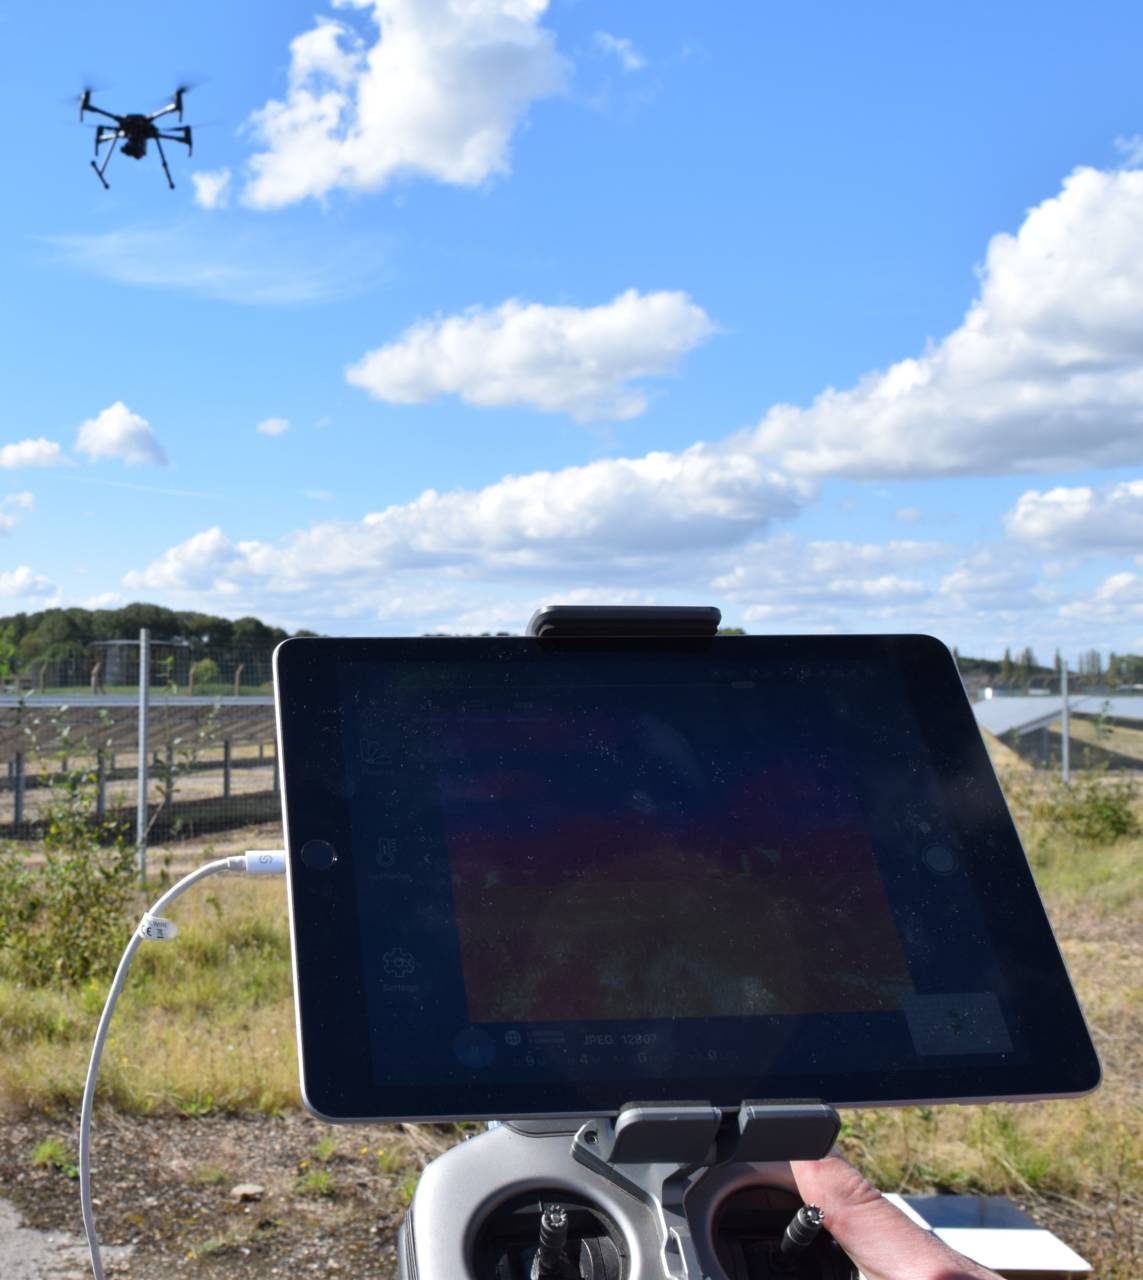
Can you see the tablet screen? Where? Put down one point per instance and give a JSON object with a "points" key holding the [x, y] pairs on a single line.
{"points": [[572, 874]]}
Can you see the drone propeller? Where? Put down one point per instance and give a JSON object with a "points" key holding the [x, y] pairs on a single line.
{"points": [[84, 102]]}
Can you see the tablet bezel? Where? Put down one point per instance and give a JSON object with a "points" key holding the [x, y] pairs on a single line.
{"points": [[334, 1055]]}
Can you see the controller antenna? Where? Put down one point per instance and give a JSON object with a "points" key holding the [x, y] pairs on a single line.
{"points": [[801, 1233], [553, 1237]]}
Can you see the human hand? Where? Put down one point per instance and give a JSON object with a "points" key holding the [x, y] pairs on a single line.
{"points": [[876, 1235]]}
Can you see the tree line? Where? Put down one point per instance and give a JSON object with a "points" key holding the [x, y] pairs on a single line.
{"points": [[51, 635]]}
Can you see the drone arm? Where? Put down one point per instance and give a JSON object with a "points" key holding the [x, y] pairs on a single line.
{"points": [[183, 136], [99, 111], [166, 111]]}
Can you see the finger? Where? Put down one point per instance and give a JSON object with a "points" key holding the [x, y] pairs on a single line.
{"points": [[878, 1237]]}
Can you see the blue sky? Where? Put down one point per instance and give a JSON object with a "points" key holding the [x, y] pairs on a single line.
{"points": [[828, 314]]}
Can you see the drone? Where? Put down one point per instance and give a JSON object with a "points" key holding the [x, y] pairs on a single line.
{"points": [[136, 131]]}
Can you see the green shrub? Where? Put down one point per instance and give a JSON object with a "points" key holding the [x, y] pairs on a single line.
{"points": [[66, 919], [203, 672], [1095, 807]]}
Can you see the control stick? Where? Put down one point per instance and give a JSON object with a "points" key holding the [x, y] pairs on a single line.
{"points": [[550, 1262]]}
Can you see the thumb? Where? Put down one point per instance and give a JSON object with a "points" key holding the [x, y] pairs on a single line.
{"points": [[878, 1237]]}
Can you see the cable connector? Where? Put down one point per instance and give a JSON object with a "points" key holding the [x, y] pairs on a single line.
{"points": [[258, 862]]}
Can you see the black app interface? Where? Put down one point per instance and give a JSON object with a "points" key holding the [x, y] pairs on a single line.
{"points": [[610, 867]]}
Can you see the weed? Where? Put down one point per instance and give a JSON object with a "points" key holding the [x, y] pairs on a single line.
{"points": [[210, 1176], [325, 1148], [316, 1182], [53, 1153], [407, 1187], [388, 1161]]}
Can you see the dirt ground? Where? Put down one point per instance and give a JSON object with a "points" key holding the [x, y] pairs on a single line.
{"points": [[164, 1188]]}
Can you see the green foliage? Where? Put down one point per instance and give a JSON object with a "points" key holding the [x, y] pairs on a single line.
{"points": [[205, 671], [1097, 807], [316, 1182], [53, 1153], [63, 919]]}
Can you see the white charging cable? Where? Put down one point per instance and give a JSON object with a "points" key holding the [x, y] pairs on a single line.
{"points": [[152, 927]]}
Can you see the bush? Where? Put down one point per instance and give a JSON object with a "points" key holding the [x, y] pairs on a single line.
{"points": [[203, 672], [1095, 807], [66, 920]]}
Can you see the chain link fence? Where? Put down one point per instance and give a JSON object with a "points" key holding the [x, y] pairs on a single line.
{"points": [[71, 731]]}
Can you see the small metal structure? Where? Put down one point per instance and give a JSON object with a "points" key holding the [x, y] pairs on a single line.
{"points": [[136, 131]]}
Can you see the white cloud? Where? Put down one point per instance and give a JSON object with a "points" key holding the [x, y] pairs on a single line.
{"points": [[577, 360], [211, 188], [990, 578], [439, 93], [1131, 149], [908, 515], [1044, 374], [12, 505], [1118, 599], [119, 433], [613, 516], [22, 582], [273, 426], [622, 48], [262, 267], [31, 453], [1081, 518]]}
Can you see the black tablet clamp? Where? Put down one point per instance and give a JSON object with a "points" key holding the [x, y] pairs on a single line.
{"points": [[662, 1191]]}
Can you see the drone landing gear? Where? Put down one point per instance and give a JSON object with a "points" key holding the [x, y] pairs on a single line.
{"points": [[163, 158], [99, 169]]}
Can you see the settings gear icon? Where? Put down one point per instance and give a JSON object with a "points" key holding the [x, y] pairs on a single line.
{"points": [[398, 963]]}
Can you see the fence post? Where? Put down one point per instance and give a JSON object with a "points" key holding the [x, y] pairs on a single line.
{"points": [[100, 785], [169, 778], [1065, 744], [226, 768], [141, 800], [18, 790]]}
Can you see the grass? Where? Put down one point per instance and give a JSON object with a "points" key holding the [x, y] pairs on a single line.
{"points": [[214, 1012], [205, 1024], [54, 1153]]}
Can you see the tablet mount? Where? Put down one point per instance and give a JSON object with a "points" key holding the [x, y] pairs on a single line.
{"points": [[663, 1190]]}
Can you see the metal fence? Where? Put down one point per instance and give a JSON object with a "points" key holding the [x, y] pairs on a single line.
{"points": [[155, 764], [168, 745]]}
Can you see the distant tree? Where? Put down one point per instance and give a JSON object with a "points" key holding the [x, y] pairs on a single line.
{"points": [[1006, 668], [731, 631]]}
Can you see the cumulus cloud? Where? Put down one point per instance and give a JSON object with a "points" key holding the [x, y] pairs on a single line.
{"points": [[576, 360], [21, 582], [211, 188], [437, 89], [622, 48], [611, 516], [273, 426], [1118, 599], [119, 433], [31, 453], [1044, 374], [1080, 518]]}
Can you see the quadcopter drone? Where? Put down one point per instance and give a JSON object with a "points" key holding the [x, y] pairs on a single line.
{"points": [[137, 131]]}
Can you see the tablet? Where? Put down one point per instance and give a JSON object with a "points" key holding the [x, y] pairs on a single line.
{"points": [[536, 877]]}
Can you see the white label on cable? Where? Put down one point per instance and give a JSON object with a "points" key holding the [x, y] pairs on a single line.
{"points": [[157, 929]]}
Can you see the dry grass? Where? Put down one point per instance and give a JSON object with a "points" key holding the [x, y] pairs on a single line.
{"points": [[206, 1024]]}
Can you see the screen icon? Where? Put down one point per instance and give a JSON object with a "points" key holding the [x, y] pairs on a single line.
{"points": [[398, 963]]}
